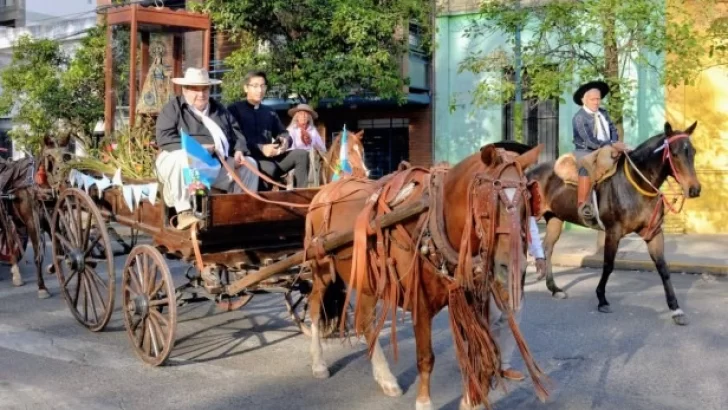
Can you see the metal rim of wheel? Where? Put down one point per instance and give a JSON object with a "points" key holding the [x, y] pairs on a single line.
{"points": [[77, 230], [149, 303], [297, 305]]}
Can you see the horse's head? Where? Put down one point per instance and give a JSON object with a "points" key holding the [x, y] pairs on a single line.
{"points": [[506, 195], [679, 152], [355, 153]]}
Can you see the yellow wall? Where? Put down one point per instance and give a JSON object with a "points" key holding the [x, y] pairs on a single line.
{"points": [[706, 102]]}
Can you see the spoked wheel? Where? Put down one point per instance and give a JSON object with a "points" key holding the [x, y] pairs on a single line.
{"points": [[296, 300], [149, 304], [82, 259]]}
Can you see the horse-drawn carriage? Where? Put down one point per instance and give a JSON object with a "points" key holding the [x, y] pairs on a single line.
{"points": [[239, 237]]}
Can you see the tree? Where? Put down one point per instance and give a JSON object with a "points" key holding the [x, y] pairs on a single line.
{"points": [[318, 48], [52, 94], [574, 41]]}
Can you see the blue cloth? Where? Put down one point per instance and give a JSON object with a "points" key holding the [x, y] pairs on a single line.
{"points": [[201, 165]]}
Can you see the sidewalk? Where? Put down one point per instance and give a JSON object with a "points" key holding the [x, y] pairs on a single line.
{"points": [[689, 253]]}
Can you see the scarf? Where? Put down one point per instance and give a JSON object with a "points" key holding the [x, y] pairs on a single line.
{"points": [[221, 143]]}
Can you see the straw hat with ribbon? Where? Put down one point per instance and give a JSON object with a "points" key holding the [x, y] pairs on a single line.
{"points": [[196, 77], [303, 107]]}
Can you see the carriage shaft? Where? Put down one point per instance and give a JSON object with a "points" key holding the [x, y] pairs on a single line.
{"points": [[334, 242]]}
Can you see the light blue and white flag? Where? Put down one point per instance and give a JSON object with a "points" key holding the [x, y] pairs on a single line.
{"points": [[201, 165]]}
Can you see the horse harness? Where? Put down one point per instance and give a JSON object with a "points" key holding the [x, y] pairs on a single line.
{"points": [[653, 226]]}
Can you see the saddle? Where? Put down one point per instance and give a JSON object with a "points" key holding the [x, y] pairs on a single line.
{"points": [[600, 165]]}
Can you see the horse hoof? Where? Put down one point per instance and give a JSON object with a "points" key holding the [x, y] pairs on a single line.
{"points": [[43, 294], [391, 389], [423, 405], [604, 309], [51, 270], [560, 295], [321, 372], [679, 318], [17, 282]]}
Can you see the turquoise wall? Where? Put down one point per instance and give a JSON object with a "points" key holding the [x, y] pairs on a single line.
{"points": [[467, 128]]}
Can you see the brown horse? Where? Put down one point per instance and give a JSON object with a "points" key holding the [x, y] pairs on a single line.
{"points": [[355, 152], [20, 212], [464, 258], [628, 202]]}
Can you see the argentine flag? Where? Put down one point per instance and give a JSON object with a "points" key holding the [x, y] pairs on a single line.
{"points": [[201, 165], [343, 167]]}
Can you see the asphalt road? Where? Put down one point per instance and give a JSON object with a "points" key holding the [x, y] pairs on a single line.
{"points": [[634, 358]]}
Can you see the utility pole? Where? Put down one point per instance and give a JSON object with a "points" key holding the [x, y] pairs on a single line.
{"points": [[518, 105]]}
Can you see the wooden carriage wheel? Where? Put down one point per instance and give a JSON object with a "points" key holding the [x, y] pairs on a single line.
{"points": [[83, 259], [149, 304]]}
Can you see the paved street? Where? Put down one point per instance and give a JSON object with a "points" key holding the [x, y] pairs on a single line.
{"points": [[633, 359]]}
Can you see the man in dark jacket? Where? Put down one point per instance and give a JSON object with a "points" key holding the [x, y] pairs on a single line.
{"points": [[593, 129], [208, 122], [267, 138]]}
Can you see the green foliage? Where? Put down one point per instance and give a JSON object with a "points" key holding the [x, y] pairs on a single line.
{"points": [[568, 42], [52, 94], [319, 48]]}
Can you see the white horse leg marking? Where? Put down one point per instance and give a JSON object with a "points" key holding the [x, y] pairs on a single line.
{"points": [[465, 404], [17, 279], [423, 406], [319, 367], [382, 374]]}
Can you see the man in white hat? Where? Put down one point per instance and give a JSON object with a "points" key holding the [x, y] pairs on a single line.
{"points": [[208, 122]]}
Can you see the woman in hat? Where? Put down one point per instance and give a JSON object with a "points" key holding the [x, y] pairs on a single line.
{"points": [[304, 134], [593, 129]]}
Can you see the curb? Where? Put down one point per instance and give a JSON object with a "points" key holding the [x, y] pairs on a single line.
{"points": [[593, 261]]}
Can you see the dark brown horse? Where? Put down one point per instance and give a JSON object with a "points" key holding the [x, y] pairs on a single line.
{"points": [[628, 202], [21, 213], [428, 261]]}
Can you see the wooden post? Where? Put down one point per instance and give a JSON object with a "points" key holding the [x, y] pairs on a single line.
{"points": [[145, 58], [109, 84], [133, 65], [206, 50], [177, 43]]}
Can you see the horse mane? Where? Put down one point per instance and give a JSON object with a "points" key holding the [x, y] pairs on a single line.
{"points": [[645, 150]]}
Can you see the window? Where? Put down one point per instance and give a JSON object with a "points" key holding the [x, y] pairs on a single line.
{"points": [[540, 120]]}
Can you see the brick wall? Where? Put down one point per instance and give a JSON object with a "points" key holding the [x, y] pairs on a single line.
{"points": [[420, 137]]}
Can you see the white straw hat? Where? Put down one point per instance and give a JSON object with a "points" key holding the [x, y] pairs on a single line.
{"points": [[196, 77]]}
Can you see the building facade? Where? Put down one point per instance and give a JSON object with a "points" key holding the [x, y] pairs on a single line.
{"points": [[461, 128]]}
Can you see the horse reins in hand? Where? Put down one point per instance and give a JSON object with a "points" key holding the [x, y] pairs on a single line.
{"points": [[236, 178]]}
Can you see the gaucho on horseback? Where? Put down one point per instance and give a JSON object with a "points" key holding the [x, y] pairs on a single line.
{"points": [[593, 129]]}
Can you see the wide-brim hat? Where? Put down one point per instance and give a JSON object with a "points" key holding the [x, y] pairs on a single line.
{"points": [[196, 77], [303, 107], [599, 85]]}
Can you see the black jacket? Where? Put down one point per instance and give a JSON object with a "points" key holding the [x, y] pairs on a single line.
{"points": [[177, 114], [584, 138], [260, 125]]}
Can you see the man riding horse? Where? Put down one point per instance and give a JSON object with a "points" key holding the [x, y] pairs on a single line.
{"points": [[593, 129]]}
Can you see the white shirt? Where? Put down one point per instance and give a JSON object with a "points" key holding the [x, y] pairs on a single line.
{"points": [[534, 247], [602, 129]]}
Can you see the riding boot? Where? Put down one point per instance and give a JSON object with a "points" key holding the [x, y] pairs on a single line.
{"points": [[586, 209]]}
